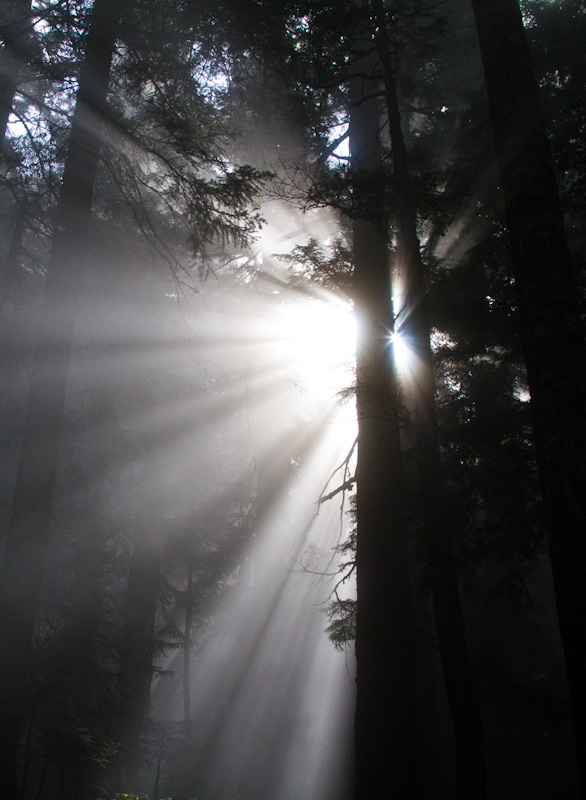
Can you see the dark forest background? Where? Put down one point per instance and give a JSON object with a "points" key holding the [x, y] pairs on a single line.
{"points": [[234, 568]]}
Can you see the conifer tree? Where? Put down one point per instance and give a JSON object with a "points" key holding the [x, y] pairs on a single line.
{"points": [[17, 40], [438, 533], [551, 329], [386, 704], [32, 503]]}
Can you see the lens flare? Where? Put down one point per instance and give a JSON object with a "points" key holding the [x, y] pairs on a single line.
{"points": [[402, 352]]}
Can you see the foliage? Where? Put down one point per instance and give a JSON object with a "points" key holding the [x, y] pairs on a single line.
{"points": [[330, 267], [342, 626], [199, 90]]}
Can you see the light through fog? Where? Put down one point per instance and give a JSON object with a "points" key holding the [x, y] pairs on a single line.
{"points": [[272, 698], [319, 335], [402, 352]]}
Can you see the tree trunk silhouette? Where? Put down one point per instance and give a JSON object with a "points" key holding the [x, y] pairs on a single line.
{"points": [[386, 715], [187, 642], [16, 34], [553, 340], [449, 622], [32, 506], [12, 347], [136, 659]]}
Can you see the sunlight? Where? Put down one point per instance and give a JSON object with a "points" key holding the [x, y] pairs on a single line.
{"points": [[339, 134], [268, 687], [307, 331], [235, 405], [319, 336], [405, 354], [402, 352], [219, 434]]}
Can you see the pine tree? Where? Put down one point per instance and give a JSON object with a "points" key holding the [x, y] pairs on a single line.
{"points": [[17, 39], [553, 340], [438, 534], [33, 496], [386, 702]]}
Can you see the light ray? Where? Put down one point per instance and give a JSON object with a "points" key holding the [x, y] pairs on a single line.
{"points": [[272, 697]]}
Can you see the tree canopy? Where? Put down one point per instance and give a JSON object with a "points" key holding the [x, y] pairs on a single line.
{"points": [[291, 339]]}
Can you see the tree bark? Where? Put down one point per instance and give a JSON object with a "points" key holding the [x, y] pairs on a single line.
{"points": [[32, 505], [12, 348], [136, 659], [449, 621], [16, 34], [187, 643], [552, 336], [386, 714]]}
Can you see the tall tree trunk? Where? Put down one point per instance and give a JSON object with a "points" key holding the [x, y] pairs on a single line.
{"points": [[187, 643], [37, 470], [158, 768], [386, 714], [136, 659], [9, 276], [553, 340], [449, 621], [11, 345], [16, 35]]}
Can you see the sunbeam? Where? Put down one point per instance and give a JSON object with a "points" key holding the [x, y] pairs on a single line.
{"points": [[402, 352], [279, 333], [318, 338], [270, 697]]}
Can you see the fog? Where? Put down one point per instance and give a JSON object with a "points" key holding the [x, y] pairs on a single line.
{"points": [[203, 424]]}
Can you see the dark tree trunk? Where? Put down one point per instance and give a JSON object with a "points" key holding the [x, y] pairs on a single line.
{"points": [[16, 35], [136, 658], [553, 340], [32, 506], [449, 622], [187, 643], [386, 713], [158, 768], [9, 277], [12, 347]]}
